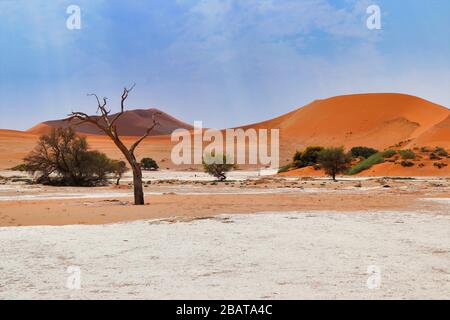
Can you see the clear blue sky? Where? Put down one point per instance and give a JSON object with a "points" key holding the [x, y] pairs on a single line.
{"points": [[226, 62]]}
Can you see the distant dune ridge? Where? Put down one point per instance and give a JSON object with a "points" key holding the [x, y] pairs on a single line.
{"points": [[379, 120], [131, 123]]}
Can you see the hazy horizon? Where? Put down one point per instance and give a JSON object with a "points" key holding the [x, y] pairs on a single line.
{"points": [[227, 63]]}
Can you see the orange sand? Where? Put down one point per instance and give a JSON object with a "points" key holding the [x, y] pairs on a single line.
{"points": [[373, 120]]}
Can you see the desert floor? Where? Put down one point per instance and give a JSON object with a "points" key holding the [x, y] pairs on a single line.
{"points": [[251, 237]]}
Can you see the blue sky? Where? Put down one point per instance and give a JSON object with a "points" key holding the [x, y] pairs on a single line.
{"points": [[226, 62]]}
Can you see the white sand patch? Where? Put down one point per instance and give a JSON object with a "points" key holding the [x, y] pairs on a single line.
{"points": [[278, 255], [438, 200]]}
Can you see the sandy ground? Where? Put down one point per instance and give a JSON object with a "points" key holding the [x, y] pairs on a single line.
{"points": [[303, 255], [189, 195], [253, 237]]}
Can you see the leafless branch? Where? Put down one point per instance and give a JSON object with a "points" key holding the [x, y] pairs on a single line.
{"points": [[147, 132], [124, 97]]}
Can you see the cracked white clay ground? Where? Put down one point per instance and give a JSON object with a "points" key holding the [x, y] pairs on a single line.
{"points": [[280, 255]]}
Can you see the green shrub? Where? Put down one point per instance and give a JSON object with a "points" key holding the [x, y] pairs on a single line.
{"points": [[19, 167], [306, 158], [297, 156], [62, 158], [407, 154], [424, 149], [310, 155], [334, 161], [285, 168], [217, 168], [406, 163], [389, 153], [364, 152], [371, 161], [367, 163], [149, 164]]}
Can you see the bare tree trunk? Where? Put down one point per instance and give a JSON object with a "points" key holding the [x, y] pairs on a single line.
{"points": [[137, 183], [108, 126]]}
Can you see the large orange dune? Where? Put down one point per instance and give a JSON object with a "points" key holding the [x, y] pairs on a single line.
{"points": [[373, 120], [378, 120]]}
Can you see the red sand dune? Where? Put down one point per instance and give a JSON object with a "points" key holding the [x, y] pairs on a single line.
{"points": [[131, 123], [438, 135], [373, 120]]}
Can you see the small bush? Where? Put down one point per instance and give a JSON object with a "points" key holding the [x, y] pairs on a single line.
{"points": [[334, 161], [20, 167], [407, 154], [389, 153], [406, 163], [149, 164], [364, 152], [371, 161], [297, 156], [440, 152], [285, 168], [434, 156], [424, 149], [440, 165], [311, 155], [62, 158], [306, 158], [216, 168]]}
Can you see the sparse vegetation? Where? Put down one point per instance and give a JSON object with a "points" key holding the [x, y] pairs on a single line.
{"points": [[406, 163], [334, 161], [285, 168], [407, 154], [62, 158], [441, 152], [434, 156], [120, 167], [308, 157], [440, 165], [19, 167], [216, 168], [363, 152], [149, 164], [371, 161]]}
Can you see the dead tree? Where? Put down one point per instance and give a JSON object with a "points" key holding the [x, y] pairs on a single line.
{"points": [[108, 126]]}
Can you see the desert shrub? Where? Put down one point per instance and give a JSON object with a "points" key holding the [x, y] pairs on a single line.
{"points": [[434, 156], [440, 165], [19, 167], [406, 163], [62, 158], [311, 155], [334, 161], [389, 153], [424, 149], [285, 168], [217, 168], [367, 163], [364, 152], [441, 152], [149, 164], [306, 158], [371, 161], [297, 156], [120, 167], [407, 154]]}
